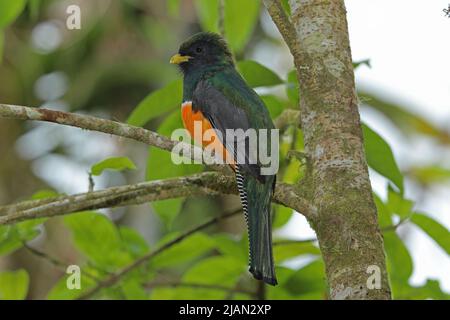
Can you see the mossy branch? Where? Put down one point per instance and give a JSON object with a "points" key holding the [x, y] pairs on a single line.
{"points": [[207, 183]]}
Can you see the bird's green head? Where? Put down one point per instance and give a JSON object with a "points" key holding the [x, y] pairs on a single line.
{"points": [[201, 52]]}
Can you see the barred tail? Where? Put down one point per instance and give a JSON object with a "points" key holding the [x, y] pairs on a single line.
{"points": [[255, 198]]}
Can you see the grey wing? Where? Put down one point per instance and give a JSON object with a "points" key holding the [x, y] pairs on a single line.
{"points": [[223, 115]]}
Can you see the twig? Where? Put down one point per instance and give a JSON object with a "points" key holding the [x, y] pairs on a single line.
{"points": [[394, 227], [116, 128], [91, 182], [207, 183], [283, 24], [204, 183], [261, 290], [287, 242], [54, 261], [114, 278], [106, 126], [61, 265]]}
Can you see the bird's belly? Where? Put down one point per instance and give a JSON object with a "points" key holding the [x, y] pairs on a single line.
{"points": [[195, 120]]}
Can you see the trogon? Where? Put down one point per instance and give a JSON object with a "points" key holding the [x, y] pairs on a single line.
{"points": [[215, 94]]}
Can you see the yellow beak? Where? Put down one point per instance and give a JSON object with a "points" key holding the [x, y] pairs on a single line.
{"points": [[178, 58]]}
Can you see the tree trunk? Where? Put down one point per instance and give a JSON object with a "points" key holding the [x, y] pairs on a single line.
{"points": [[338, 181]]}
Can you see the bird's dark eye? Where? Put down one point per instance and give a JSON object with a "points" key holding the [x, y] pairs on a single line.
{"points": [[199, 49]]}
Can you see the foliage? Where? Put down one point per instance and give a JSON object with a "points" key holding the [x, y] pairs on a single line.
{"points": [[258, 75], [212, 263], [115, 163], [9, 10], [380, 158], [239, 17], [13, 285]]}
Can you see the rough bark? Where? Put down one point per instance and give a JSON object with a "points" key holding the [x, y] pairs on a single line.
{"points": [[338, 182], [207, 183]]}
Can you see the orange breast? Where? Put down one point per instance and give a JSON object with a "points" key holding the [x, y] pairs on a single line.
{"points": [[190, 117]]}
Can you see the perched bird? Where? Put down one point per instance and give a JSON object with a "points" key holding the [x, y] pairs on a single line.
{"points": [[215, 94]]}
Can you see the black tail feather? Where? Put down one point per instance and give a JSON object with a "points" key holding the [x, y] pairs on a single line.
{"points": [[256, 199]]}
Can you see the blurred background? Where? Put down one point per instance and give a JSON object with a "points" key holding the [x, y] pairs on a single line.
{"points": [[120, 55]]}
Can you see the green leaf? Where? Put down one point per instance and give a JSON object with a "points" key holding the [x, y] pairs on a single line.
{"points": [[274, 104], [430, 174], [398, 204], [240, 19], [281, 216], [186, 250], [229, 246], [173, 7], [167, 210], [357, 64], [295, 168], [133, 241], [13, 236], [160, 166], [222, 270], [60, 291], [219, 270], [14, 285], [34, 6], [29, 229], [399, 261], [97, 238], [9, 240], [310, 278], [384, 214], [434, 229], [9, 11], [380, 158], [291, 249], [170, 293], [430, 290], [279, 292], [157, 103], [258, 75], [208, 14], [292, 88], [44, 194], [171, 122], [286, 7], [133, 290], [405, 120], [114, 163]]}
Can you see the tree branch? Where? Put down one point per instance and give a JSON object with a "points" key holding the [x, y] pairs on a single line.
{"points": [[106, 126], [87, 122], [207, 183], [283, 24], [54, 261], [120, 129]]}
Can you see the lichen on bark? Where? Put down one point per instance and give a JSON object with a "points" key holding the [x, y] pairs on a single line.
{"points": [[346, 222]]}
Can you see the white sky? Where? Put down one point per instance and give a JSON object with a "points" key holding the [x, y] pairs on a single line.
{"points": [[408, 44]]}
